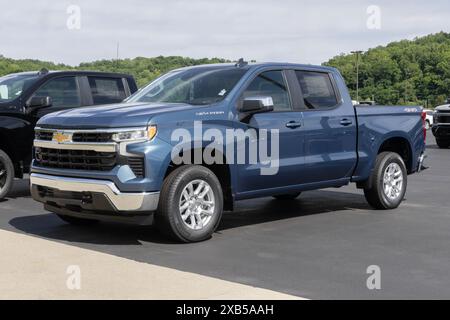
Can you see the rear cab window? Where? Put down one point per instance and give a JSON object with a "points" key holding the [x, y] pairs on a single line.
{"points": [[106, 90]]}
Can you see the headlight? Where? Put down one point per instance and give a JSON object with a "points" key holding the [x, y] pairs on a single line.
{"points": [[141, 134]]}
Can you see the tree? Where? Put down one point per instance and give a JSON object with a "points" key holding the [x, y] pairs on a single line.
{"points": [[143, 69], [403, 72]]}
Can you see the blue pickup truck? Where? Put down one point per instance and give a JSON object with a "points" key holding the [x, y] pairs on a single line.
{"points": [[184, 148]]}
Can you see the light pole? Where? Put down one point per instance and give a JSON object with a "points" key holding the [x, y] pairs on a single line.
{"points": [[357, 72], [117, 56]]}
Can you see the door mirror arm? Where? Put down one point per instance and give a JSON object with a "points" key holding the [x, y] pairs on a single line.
{"points": [[36, 102], [254, 105]]}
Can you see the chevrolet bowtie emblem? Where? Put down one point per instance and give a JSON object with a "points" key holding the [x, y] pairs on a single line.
{"points": [[60, 137]]}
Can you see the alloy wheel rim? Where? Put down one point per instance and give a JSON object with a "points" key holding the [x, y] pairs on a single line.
{"points": [[197, 204], [3, 175], [393, 181]]}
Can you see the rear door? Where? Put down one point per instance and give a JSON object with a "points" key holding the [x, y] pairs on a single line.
{"points": [[329, 129]]}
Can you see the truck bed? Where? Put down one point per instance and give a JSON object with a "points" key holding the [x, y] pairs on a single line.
{"points": [[376, 124]]}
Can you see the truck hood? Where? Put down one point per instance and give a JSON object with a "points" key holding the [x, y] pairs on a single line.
{"points": [[445, 107], [110, 116]]}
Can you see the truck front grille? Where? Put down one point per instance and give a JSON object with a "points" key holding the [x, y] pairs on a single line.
{"points": [[84, 150], [87, 137], [44, 135], [443, 117], [96, 137], [75, 159]]}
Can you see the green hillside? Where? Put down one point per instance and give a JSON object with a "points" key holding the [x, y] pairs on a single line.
{"points": [[404, 72], [143, 69], [146, 69]]}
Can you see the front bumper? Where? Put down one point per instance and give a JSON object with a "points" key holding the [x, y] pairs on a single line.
{"points": [[89, 195], [441, 130]]}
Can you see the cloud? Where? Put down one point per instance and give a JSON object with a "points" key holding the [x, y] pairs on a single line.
{"points": [[266, 30]]}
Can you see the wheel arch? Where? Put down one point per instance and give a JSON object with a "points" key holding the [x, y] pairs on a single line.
{"points": [[401, 146], [221, 170], [12, 133], [5, 145]]}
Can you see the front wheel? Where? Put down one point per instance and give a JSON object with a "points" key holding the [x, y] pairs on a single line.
{"points": [[388, 182], [6, 174], [191, 204]]}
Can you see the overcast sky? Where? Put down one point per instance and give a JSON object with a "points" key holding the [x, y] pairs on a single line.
{"points": [[265, 30]]}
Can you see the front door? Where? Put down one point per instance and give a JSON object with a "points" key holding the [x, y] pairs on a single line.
{"points": [[252, 178], [65, 94]]}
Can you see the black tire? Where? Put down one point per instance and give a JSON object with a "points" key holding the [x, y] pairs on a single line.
{"points": [[6, 174], [443, 144], [427, 124], [289, 196], [77, 221], [375, 193], [168, 218]]}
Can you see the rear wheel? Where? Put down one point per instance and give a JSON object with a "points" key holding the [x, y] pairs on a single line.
{"points": [[191, 204], [443, 144], [6, 174], [77, 221], [289, 196], [388, 182]]}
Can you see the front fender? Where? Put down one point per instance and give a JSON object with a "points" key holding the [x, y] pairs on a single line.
{"points": [[16, 137]]}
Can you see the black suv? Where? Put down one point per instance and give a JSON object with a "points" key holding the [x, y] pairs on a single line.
{"points": [[441, 125], [25, 97]]}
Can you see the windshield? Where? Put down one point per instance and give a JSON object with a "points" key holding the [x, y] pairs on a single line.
{"points": [[13, 85], [197, 86]]}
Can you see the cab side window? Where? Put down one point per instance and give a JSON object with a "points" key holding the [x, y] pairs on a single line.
{"points": [[272, 84], [63, 91], [107, 90], [317, 89]]}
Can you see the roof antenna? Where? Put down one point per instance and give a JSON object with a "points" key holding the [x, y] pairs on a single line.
{"points": [[241, 63], [43, 71]]}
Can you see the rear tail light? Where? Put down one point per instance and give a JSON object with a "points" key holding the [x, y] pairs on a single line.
{"points": [[424, 122]]}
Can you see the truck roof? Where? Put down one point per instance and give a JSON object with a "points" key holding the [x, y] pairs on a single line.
{"points": [[252, 65], [70, 72]]}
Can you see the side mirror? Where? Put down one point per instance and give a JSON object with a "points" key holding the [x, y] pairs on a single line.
{"points": [[253, 105], [39, 102]]}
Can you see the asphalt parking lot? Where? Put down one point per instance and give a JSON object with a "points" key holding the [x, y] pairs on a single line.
{"points": [[316, 247]]}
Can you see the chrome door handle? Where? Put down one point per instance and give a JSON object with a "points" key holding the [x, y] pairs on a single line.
{"points": [[293, 124], [346, 122]]}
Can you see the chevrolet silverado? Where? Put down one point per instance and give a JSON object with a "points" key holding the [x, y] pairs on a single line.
{"points": [[132, 161]]}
